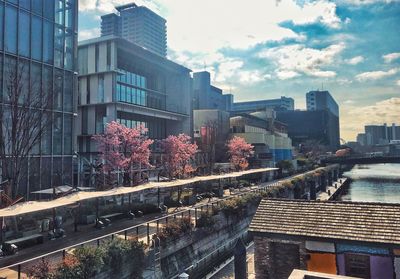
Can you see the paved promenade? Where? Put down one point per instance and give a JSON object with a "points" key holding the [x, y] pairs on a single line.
{"points": [[331, 190]]}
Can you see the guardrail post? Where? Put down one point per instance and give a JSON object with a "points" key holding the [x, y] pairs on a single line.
{"points": [[126, 234], [190, 216], [148, 233], [137, 232], [112, 237], [195, 217], [158, 225], [98, 242], [63, 254], [166, 220]]}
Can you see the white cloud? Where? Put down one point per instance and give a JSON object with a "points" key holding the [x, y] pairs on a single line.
{"points": [[398, 82], [108, 6], [228, 69], [374, 75], [388, 58], [251, 77], [293, 60], [286, 74], [355, 60], [85, 34], [366, 2]]}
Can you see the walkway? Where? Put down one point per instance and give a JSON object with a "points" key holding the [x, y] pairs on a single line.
{"points": [[331, 190]]}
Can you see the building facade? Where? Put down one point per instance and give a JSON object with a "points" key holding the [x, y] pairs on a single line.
{"points": [[139, 25], [381, 134], [120, 81], [320, 126], [38, 42], [268, 136], [206, 96], [321, 100], [283, 103]]}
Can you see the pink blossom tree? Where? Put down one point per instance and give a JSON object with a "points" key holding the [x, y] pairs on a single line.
{"points": [[239, 151], [123, 149], [178, 150]]}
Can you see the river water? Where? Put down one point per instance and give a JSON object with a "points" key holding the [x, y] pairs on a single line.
{"points": [[373, 183]]}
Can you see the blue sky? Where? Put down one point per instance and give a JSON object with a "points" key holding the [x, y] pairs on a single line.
{"points": [[261, 49]]}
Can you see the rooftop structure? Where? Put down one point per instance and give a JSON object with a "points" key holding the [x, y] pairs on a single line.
{"points": [[139, 25], [345, 238], [283, 103]]}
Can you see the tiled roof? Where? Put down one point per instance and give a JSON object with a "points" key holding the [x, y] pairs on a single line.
{"points": [[370, 222]]}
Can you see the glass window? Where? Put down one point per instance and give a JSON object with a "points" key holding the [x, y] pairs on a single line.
{"points": [[1, 24], [129, 94], [48, 35], [36, 38], [37, 6], [67, 171], [67, 134], [10, 73], [123, 93], [57, 133], [1, 76], [69, 49], [23, 36], [59, 12], [22, 86], [48, 11], [118, 92], [59, 47], [36, 82], [46, 137], [26, 4], [69, 13], [134, 96], [100, 92], [10, 39], [47, 96], [34, 174], [57, 171], [68, 92], [58, 89]]}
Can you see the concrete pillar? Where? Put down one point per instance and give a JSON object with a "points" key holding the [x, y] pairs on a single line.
{"points": [[330, 176], [240, 260], [313, 190], [323, 183]]}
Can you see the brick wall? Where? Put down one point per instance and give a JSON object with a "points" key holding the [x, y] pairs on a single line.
{"points": [[276, 258]]}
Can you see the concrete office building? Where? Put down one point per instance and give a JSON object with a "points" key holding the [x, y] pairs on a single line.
{"points": [[320, 126], [268, 136], [38, 42], [321, 100], [207, 96], [120, 81], [139, 25], [381, 134], [283, 103]]}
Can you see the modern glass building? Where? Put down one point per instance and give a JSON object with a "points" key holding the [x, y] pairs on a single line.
{"points": [[121, 81], [283, 103], [38, 41]]}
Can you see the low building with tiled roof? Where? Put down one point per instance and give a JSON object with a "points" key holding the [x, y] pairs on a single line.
{"points": [[345, 238]]}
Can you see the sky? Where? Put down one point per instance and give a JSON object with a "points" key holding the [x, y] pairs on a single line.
{"points": [[264, 49]]}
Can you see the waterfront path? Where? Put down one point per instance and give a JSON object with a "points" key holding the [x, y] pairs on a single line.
{"points": [[331, 190]]}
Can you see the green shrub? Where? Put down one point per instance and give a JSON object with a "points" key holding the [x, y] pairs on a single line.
{"points": [[206, 221], [90, 260], [174, 229]]}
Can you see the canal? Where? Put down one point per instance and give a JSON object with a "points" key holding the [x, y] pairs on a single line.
{"points": [[373, 183]]}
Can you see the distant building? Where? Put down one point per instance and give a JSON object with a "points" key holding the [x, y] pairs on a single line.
{"points": [[267, 135], [120, 81], [283, 103], [315, 236], [381, 134], [139, 25], [321, 100], [320, 126], [362, 139], [207, 96], [211, 130]]}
